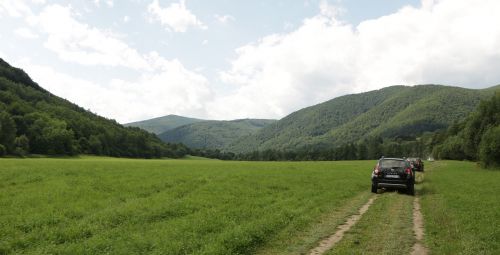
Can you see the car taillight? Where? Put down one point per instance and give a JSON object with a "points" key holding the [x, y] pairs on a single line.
{"points": [[408, 171]]}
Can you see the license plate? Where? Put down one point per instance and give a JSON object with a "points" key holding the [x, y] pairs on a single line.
{"points": [[392, 176]]}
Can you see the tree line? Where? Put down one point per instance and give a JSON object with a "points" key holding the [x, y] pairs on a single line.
{"points": [[370, 148]]}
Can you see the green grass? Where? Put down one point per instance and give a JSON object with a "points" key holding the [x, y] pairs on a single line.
{"points": [[125, 206], [461, 208]]}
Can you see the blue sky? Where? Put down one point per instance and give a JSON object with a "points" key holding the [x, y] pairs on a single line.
{"points": [[223, 59]]}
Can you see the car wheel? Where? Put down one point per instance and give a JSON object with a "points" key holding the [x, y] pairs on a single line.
{"points": [[374, 188], [411, 189]]}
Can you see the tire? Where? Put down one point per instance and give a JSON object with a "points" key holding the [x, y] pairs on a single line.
{"points": [[374, 188], [411, 190]]}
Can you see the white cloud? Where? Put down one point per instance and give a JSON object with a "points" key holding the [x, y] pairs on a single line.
{"points": [[163, 86], [15, 8], [126, 19], [175, 17], [77, 42], [109, 3], [224, 19], [25, 33], [452, 42], [172, 90]]}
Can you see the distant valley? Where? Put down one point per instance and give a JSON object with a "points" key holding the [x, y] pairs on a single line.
{"points": [[202, 134]]}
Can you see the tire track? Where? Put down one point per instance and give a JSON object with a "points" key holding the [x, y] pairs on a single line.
{"points": [[418, 229], [329, 242]]}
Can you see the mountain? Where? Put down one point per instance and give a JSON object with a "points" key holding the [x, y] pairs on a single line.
{"points": [[214, 134], [34, 121], [396, 111], [162, 124]]}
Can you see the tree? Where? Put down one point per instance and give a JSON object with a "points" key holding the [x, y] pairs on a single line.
{"points": [[374, 147], [7, 131], [22, 145], [362, 150], [3, 151], [489, 153], [95, 145]]}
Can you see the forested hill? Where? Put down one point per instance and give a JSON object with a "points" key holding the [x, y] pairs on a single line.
{"points": [[214, 134], [397, 111], [163, 124], [33, 121]]}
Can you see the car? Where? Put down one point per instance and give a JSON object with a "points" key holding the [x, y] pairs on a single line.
{"points": [[417, 164], [393, 173]]}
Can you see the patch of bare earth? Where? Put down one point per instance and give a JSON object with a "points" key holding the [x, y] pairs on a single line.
{"points": [[418, 228], [329, 242]]}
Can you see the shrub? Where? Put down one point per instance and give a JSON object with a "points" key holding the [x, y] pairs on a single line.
{"points": [[3, 151]]}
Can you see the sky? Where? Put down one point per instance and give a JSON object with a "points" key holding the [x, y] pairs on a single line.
{"points": [[231, 59]]}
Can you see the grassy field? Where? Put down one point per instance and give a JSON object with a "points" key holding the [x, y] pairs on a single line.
{"points": [[98, 205], [461, 208], [125, 206]]}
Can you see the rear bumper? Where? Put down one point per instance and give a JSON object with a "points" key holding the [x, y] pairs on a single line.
{"points": [[391, 183]]}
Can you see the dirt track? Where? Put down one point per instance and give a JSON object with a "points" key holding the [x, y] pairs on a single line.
{"points": [[329, 242], [418, 229]]}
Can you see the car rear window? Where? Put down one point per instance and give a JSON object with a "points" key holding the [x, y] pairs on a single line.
{"points": [[389, 163]]}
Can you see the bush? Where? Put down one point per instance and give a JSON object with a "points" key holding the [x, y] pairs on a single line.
{"points": [[3, 151], [489, 148]]}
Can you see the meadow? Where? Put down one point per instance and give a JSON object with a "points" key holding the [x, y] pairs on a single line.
{"points": [[98, 205], [461, 208], [127, 206]]}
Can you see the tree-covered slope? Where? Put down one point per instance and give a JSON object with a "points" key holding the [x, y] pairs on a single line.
{"points": [[214, 134], [475, 138], [162, 124], [34, 121], [395, 111]]}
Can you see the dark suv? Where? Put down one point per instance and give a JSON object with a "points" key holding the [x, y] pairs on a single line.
{"points": [[417, 164], [393, 173]]}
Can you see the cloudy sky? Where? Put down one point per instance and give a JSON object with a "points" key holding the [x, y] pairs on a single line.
{"points": [[228, 59]]}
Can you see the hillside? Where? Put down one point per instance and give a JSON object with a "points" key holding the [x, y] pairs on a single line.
{"points": [[214, 134], [395, 111], [34, 121], [162, 124]]}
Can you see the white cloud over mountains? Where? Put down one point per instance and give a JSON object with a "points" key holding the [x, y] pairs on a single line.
{"points": [[175, 17], [454, 42]]}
